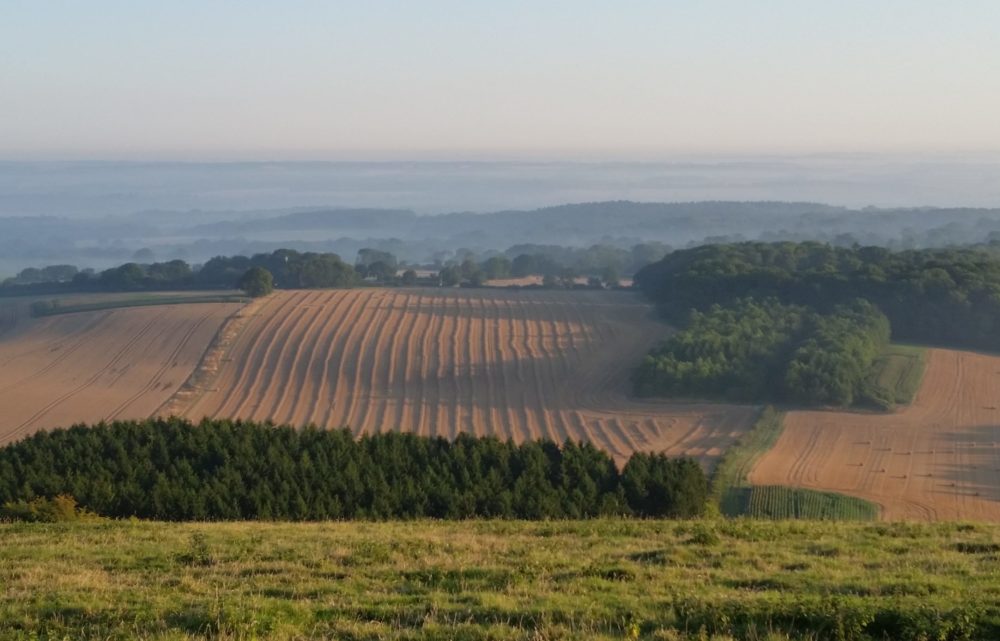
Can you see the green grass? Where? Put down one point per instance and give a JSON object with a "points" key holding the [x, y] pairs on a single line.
{"points": [[779, 502], [56, 306], [899, 371], [500, 580], [735, 496]]}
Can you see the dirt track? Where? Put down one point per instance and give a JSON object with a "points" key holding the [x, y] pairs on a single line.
{"points": [[938, 459], [518, 364], [90, 366]]}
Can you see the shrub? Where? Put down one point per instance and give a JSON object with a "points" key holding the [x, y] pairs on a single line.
{"points": [[58, 509]]}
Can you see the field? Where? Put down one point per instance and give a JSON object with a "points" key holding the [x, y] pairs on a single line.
{"points": [[937, 459], [735, 496], [500, 580], [122, 363], [514, 364]]}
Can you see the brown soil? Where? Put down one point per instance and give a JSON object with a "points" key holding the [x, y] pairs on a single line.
{"points": [[938, 459], [93, 366], [514, 364]]}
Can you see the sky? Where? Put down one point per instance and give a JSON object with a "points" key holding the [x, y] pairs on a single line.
{"points": [[477, 79]]}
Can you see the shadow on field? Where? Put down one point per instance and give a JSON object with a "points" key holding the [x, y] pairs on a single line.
{"points": [[974, 468]]}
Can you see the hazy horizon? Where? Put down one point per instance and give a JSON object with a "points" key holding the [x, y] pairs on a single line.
{"points": [[87, 189]]}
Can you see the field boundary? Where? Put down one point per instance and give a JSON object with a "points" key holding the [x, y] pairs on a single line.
{"points": [[211, 360], [53, 307], [898, 372], [734, 496]]}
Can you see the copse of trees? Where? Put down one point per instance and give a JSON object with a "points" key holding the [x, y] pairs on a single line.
{"points": [[726, 351], [833, 361], [291, 270], [171, 469], [949, 296], [257, 282], [753, 350]]}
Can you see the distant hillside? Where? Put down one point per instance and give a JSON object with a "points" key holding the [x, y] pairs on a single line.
{"points": [[196, 236]]}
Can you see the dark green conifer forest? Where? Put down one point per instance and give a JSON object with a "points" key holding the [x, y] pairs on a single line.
{"points": [[171, 469]]}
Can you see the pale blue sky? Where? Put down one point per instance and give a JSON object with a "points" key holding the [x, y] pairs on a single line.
{"points": [[582, 78]]}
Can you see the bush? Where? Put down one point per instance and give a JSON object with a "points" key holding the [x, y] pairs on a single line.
{"points": [[58, 509], [44, 307]]}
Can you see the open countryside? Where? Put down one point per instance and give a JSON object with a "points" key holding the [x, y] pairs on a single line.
{"points": [[516, 364]]}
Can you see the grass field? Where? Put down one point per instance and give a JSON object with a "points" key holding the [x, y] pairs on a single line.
{"points": [[499, 580], [55, 306], [899, 372], [778, 502], [735, 496]]}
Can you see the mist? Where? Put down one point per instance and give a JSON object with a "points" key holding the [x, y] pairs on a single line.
{"points": [[97, 189]]}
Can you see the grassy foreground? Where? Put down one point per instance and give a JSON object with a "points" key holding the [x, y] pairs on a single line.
{"points": [[602, 579]]}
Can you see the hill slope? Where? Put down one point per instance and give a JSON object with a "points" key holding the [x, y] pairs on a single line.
{"points": [[937, 459], [499, 580], [91, 366], [514, 364]]}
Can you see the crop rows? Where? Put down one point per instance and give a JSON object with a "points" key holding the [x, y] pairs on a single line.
{"points": [[512, 364], [777, 502]]}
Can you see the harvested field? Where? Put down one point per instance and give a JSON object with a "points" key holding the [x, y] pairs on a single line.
{"points": [[514, 364], [90, 366], [529, 281], [937, 459]]}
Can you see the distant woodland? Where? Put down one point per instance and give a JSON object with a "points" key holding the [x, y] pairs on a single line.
{"points": [[436, 240], [753, 350], [600, 265], [784, 320]]}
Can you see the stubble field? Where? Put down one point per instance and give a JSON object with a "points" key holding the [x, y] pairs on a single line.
{"points": [[102, 365], [512, 364], [937, 459]]}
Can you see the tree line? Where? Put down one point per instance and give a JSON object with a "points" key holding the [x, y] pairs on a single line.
{"points": [[603, 265], [753, 350], [172, 469], [290, 270]]}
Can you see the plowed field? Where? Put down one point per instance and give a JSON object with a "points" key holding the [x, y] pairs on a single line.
{"points": [[937, 459], [122, 363], [517, 364]]}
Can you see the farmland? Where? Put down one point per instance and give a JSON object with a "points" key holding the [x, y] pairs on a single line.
{"points": [[501, 580], [120, 363], [735, 496], [936, 459], [513, 364]]}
